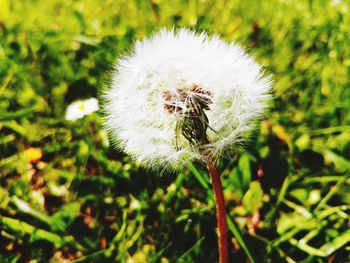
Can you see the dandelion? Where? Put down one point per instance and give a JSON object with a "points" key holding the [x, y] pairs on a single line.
{"points": [[78, 109], [181, 97]]}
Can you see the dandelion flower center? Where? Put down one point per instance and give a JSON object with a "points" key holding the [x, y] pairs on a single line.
{"points": [[190, 104]]}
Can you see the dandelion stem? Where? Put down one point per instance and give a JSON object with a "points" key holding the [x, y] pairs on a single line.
{"points": [[220, 211]]}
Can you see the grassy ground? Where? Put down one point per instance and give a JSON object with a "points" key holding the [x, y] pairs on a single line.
{"points": [[67, 195]]}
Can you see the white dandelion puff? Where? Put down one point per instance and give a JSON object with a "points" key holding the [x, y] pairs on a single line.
{"points": [[78, 109], [181, 96]]}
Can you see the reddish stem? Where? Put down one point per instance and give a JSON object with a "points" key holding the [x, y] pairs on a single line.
{"points": [[220, 211]]}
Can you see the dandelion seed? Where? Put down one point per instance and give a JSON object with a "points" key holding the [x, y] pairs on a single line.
{"points": [[81, 108]]}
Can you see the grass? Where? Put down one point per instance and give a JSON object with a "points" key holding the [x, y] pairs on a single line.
{"points": [[66, 194]]}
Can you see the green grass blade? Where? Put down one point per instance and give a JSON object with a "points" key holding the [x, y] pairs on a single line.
{"points": [[7, 116], [21, 228]]}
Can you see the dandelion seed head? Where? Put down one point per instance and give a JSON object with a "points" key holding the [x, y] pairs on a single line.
{"points": [[180, 96]]}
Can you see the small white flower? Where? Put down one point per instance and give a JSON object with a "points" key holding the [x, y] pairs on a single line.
{"points": [[182, 96], [78, 109]]}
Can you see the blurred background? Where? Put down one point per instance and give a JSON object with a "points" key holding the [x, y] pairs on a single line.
{"points": [[67, 196]]}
